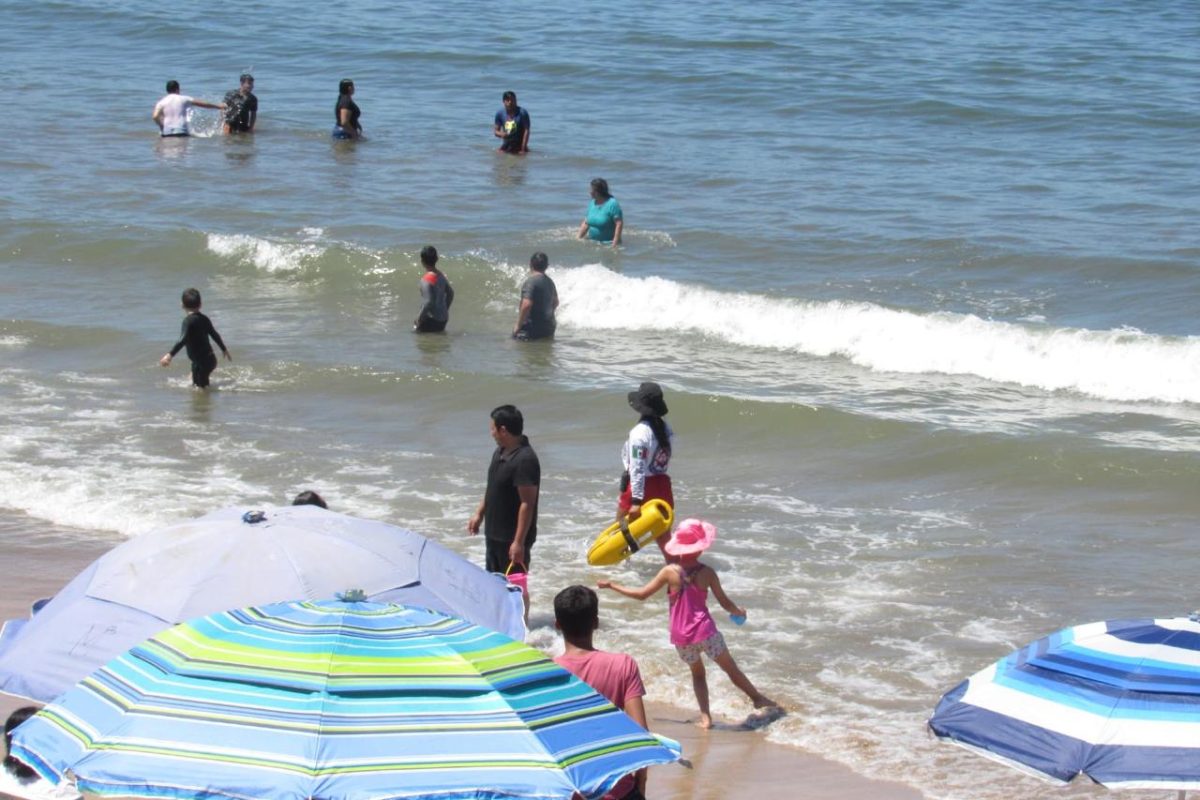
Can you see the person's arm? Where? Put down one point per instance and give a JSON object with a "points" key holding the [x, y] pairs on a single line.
{"points": [[711, 580], [427, 291], [523, 314], [449, 295], [498, 125], [183, 334], [617, 232], [253, 117], [203, 104], [220, 343], [157, 116], [528, 495], [638, 451], [477, 518], [583, 229], [663, 578], [524, 134]]}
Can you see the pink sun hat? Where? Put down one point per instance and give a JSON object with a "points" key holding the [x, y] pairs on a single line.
{"points": [[692, 536]]}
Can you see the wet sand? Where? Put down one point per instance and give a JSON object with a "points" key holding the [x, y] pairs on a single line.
{"points": [[726, 763]]}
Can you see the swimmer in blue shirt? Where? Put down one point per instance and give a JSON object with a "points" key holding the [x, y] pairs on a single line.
{"points": [[604, 221]]}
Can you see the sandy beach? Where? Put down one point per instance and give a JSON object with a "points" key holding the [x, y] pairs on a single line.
{"points": [[725, 763]]}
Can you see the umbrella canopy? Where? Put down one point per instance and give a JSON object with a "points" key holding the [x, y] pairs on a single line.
{"points": [[223, 561], [1118, 701], [335, 700]]}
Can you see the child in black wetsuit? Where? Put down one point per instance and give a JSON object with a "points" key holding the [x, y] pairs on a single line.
{"points": [[194, 334]]}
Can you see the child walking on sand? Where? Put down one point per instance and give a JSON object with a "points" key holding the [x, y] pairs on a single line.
{"points": [[194, 334], [693, 631]]}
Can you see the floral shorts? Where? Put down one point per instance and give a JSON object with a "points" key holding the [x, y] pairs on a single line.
{"points": [[714, 646]]}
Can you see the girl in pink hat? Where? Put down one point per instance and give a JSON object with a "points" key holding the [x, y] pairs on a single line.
{"points": [[693, 631]]}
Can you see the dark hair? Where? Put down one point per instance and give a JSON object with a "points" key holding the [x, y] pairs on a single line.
{"points": [[539, 261], [429, 255], [345, 85], [509, 96], [172, 86], [509, 417], [309, 498], [659, 427], [576, 610], [601, 187], [13, 765], [191, 299]]}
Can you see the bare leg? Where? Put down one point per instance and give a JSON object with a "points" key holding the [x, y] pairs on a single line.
{"points": [[725, 661], [700, 687]]}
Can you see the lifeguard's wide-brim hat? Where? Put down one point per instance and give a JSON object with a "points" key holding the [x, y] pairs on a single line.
{"points": [[692, 536], [648, 399]]}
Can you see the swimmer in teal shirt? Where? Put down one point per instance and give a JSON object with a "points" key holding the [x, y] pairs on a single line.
{"points": [[603, 222]]}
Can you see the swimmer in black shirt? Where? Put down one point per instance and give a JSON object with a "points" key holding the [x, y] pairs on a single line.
{"points": [[194, 334]]}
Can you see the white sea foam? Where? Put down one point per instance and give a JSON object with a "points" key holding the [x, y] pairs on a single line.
{"points": [[266, 254], [1122, 365]]}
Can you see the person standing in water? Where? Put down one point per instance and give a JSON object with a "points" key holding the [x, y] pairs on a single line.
{"points": [[346, 113], [171, 112], [436, 295], [539, 301], [511, 126], [195, 332], [646, 456], [604, 221], [241, 107]]}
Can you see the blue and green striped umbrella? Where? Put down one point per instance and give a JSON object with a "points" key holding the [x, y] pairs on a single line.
{"points": [[335, 700]]}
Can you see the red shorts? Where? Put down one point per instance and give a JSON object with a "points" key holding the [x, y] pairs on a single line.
{"points": [[658, 487]]}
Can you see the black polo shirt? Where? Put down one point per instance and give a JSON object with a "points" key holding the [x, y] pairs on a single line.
{"points": [[501, 501]]}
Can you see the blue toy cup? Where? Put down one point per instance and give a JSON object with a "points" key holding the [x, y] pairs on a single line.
{"points": [[737, 619]]}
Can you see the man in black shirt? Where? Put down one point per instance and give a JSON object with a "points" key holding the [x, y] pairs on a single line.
{"points": [[194, 334], [241, 107], [508, 510]]}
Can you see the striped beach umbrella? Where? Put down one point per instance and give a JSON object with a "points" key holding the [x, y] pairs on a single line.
{"points": [[335, 700], [1118, 701]]}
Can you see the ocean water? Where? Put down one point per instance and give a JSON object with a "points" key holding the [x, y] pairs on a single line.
{"points": [[920, 280]]}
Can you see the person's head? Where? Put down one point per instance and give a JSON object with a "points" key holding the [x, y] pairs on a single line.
{"points": [[576, 612], [647, 400], [510, 101], [599, 190], [429, 257], [172, 87], [691, 538], [346, 86], [12, 765], [246, 83], [191, 299], [507, 424], [309, 498], [539, 261]]}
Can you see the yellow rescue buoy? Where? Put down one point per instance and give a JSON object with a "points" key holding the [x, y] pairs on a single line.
{"points": [[626, 536]]}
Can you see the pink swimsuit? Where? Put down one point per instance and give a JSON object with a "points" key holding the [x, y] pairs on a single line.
{"points": [[690, 621]]}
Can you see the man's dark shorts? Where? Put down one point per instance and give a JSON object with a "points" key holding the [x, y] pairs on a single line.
{"points": [[202, 369], [497, 557], [430, 325]]}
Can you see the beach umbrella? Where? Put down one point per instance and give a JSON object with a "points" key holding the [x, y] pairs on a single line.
{"points": [[1118, 701], [335, 699], [232, 558]]}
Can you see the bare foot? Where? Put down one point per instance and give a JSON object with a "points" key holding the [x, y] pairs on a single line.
{"points": [[705, 721], [765, 702]]}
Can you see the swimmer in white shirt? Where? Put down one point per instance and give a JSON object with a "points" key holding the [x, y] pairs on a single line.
{"points": [[171, 112]]}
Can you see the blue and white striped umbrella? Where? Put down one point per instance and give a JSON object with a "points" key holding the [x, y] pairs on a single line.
{"points": [[335, 700], [1118, 701]]}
